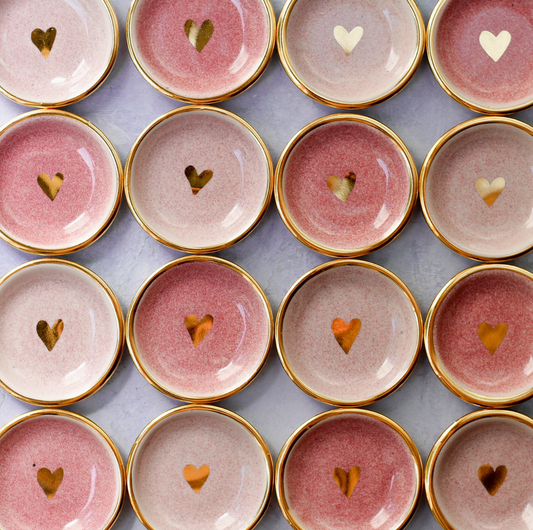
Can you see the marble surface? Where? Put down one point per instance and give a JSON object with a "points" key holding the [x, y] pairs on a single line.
{"points": [[126, 255]]}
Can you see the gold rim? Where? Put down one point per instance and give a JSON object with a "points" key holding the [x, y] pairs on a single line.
{"points": [[209, 408], [283, 309], [130, 335], [120, 342], [215, 99], [280, 198], [111, 64], [110, 218], [146, 226], [424, 175], [454, 387], [296, 435], [308, 91], [440, 443], [86, 421]]}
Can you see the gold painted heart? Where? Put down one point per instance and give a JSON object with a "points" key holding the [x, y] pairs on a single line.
{"points": [[348, 41], [490, 192], [492, 337], [196, 181], [48, 335], [44, 40], [346, 333], [52, 186], [49, 481], [198, 329], [495, 46], [492, 480], [199, 36], [196, 477], [347, 481], [342, 188]]}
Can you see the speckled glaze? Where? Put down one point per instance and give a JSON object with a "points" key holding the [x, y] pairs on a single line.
{"points": [[55, 143], [235, 491], [468, 69], [80, 57], [226, 208], [233, 54], [483, 150], [91, 487]]}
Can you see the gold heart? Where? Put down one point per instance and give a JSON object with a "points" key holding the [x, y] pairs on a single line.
{"points": [[492, 480], [492, 337], [494, 46], [49, 481], [342, 188], [196, 181], [49, 336], [348, 41], [199, 37], [490, 192], [198, 329], [50, 187], [196, 477], [347, 481], [346, 333], [44, 41]]}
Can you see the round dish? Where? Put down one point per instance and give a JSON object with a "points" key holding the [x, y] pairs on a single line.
{"points": [[200, 329], [206, 464], [199, 179], [349, 468], [349, 332], [479, 474], [201, 52], [59, 470], [60, 182], [346, 185], [481, 53], [57, 52], [350, 54], [475, 189]]}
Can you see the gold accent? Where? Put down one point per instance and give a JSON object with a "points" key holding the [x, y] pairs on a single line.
{"points": [[196, 477], [199, 37], [342, 188], [492, 337], [48, 335], [196, 181], [490, 192], [44, 41], [49, 481], [492, 480], [347, 481], [346, 333], [348, 41], [198, 329], [494, 46], [52, 186]]}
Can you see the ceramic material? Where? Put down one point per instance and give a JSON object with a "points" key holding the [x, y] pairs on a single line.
{"points": [[199, 179], [349, 468], [350, 54], [345, 185], [481, 53], [201, 52], [349, 332], [56, 52], [204, 463], [59, 470]]}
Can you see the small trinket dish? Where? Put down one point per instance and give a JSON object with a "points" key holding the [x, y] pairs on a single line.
{"points": [[475, 188], [57, 52], [201, 52], [479, 474], [350, 54], [206, 464], [60, 182], [200, 329], [349, 332], [349, 469], [59, 470], [61, 332], [346, 185], [199, 179], [481, 53]]}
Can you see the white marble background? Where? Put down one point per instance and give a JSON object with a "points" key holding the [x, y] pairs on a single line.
{"points": [[126, 255]]}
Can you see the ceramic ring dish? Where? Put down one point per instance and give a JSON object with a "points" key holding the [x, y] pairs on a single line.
{"points": [[201, 52], [348, 332], [479, 474], [199, 467], [198, 179], [475, 188], [57, 52], [349, 468], [61, 332], [350, 54], [200, 329], [346, 185], [59, 470], [60, 182], [481, 53]]}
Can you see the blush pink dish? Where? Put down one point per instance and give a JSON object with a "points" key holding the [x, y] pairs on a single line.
{"points": [[52, 142], [91, 491]]}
